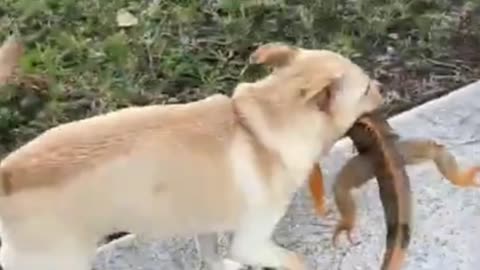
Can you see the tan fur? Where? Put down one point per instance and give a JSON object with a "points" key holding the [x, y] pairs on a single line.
{"points": [[64, 152], [213, 165]]}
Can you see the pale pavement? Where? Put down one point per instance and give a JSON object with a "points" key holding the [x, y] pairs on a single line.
{"points": [[446, 233]]}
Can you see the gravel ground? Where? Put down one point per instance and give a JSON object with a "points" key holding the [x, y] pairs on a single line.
{"points": [[446, 218]]}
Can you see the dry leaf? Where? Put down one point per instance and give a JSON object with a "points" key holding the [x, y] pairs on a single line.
{"points": [[125, 18]]}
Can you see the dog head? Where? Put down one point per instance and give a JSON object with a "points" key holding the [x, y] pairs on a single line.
{"points": [[310, 95]]}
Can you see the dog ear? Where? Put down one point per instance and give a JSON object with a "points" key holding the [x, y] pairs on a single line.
{"points": [[10, 54], [323, 99], [273, 54], [322, 95]]}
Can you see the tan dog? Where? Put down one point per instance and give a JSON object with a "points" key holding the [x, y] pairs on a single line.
{"points": [[218, 164]]}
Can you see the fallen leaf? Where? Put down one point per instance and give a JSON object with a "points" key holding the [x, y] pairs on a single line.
{"points": [[125, 18]]}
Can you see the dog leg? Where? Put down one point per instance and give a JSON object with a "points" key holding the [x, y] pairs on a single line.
{"points": [[252, 244], [206, 246], [211, 259]]}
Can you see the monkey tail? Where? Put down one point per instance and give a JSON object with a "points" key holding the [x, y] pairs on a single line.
{"points": [[396, 204], [398, 237]]}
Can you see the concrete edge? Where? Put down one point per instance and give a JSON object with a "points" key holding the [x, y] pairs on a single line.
{"points": [[435, 103]]}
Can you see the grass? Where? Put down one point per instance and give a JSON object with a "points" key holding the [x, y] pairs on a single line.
{"points": [[79, 62]]}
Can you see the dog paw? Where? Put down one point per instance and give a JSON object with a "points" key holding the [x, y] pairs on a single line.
{"points": [[342, 227], [232, 265]]}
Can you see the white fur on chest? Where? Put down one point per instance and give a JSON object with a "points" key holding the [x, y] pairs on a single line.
{"points": [[287, 174], [245, 172]]}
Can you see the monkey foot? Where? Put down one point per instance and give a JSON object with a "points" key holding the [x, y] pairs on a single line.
{"points": [[321, 209], [469, 178], [343, 227]]}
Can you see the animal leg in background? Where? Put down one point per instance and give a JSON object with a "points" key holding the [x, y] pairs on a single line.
{"points": [[317, 190]]}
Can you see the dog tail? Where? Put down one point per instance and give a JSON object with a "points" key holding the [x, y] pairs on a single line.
{"points": [[10, 53]]}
